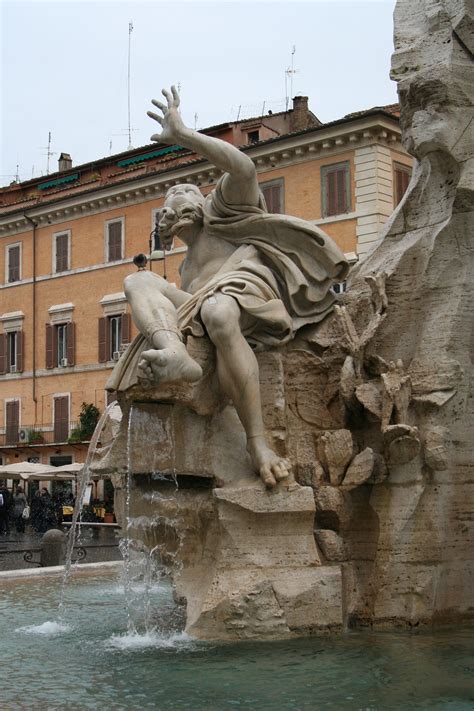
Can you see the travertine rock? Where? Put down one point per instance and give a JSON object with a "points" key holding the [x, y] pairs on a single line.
{"points": [[335, 451], [360, 469]]}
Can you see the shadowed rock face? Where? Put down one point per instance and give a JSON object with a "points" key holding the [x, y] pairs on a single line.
{"points": [[422, 568], [374, 407]]}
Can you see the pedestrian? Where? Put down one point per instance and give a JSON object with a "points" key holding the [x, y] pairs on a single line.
{"points": [[19, 505], [36, 512], [47, 512], [5, 507]]}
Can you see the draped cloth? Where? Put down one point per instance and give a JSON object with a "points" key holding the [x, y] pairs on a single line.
{"points": [[280, 274]]}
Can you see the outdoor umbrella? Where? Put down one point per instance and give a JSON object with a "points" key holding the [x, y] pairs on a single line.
{"points": [[25, 470]]}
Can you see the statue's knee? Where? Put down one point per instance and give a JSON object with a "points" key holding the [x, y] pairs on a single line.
{"points": [[140, 282], [220, 318]]}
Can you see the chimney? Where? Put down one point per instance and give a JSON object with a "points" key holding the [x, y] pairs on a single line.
{"points": [[64, 162], [299, 115]]}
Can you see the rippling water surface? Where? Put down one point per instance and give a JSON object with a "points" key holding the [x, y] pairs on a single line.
{"points": [[90, 661]]}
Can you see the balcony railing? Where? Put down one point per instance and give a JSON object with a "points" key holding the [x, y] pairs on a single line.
{"points": [[45, 434]]}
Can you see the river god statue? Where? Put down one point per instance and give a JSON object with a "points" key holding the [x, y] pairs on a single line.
{"points": [[249, 281]]}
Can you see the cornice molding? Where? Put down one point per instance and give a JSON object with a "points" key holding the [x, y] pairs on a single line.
{"points": [[287, 151]]}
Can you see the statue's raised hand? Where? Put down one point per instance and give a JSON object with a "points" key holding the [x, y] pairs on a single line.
{"points": [[171, 122]]}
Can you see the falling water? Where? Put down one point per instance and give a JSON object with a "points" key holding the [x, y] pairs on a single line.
{"points": [[74, 531]]}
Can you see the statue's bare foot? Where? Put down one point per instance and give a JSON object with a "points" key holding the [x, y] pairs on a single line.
{"points": [[269, 465], [169, 365]]}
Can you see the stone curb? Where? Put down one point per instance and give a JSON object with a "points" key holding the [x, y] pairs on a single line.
{"points": [[58, 570]]}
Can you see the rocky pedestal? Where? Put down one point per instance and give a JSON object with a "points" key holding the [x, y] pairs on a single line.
{"points": [[374, 407]]}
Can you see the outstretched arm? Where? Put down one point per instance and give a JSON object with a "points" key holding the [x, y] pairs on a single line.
{"points": [[240, 184]]}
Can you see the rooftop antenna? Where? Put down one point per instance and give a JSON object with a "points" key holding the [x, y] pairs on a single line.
{"points": [[49, 152], [130, 30], [289, 76], [17, 174], [195, 121]]}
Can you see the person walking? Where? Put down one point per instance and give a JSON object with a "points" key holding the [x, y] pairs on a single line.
{"points": [[36, 512], [19, 505], [5, 506]]}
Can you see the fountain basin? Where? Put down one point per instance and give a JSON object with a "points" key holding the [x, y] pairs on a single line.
{"points": [[93, 663]]}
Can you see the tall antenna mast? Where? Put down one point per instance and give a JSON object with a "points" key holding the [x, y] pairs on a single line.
{"points": [[130, 30], [289, 75]]}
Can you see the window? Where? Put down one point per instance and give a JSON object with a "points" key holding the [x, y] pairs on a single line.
{"points": [[335, 187], [401, 178], [114, 332], [13, 263], [339, 287], [253, 137], [273, 193], [114, 240], [12, 421], [61, 249], [60, 345], [156, 242], [61, 418], [11, 352]]}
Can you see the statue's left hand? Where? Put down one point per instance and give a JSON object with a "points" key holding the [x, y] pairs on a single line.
{"points": [[171, 121]]}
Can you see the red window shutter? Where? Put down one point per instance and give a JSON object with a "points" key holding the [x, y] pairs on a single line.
{"points": [[71, 343], [103, 340], [331, 200], [13, 421], [115, 241], [20, 349], [50, 352], [402, 178], [126, 328], [62, 252], [14, 264], [3, 353], [341, 191], [61, 419]]}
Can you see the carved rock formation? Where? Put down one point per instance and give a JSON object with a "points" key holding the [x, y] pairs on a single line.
{"points": [[373, 406]]}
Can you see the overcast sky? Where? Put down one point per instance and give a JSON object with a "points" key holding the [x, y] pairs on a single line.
{"points": [[64, 68]]}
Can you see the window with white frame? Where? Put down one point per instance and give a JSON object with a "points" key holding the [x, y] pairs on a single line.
{"points": [[273, 192], [336, 189], [156, 242], [114, 240], [13, 263], [61, 251], [115, 335]]}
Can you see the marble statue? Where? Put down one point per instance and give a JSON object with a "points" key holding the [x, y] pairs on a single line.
{"points": [[250, 280]]}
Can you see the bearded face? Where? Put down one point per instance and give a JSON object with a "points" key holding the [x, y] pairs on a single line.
{"points": [[181, 214]]}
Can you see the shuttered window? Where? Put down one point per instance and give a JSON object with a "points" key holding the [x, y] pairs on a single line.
{"points": [[13, 261], [3, 353], [402, 175], [62, 252], [114, 241], [12, 412], [60, 345], [335, 187], [61, 418], [11, 352], [273, 194], [114, 332]]}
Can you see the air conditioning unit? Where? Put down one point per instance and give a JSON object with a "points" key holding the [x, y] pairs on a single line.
{"points": [[116, 355], [63, 362], [23, 435], [13, 369]]}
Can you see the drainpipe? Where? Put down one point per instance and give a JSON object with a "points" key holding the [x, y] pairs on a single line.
{"points": [[33, 364]]}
